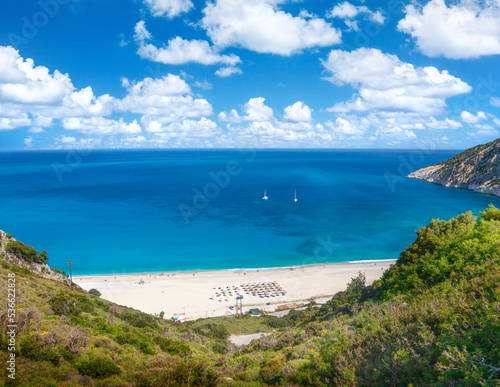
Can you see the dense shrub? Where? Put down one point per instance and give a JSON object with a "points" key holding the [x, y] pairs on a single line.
{"points": [[70, 305], [98, 367], [28, 253], [346, 301], [32, 348], [219, 346], [95, 292], [213, 330], [64, 304], [136, 339], [445, 250], [188, 374], [432, 319], [292, 318], [491, 213], [172, 347], [271, 368], [139, 320]]}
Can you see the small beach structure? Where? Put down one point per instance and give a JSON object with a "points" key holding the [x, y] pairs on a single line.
{"points": [[288, 306]]}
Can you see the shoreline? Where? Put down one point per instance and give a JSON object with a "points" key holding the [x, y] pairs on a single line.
{"points": [[200, 294], [233, 270]]}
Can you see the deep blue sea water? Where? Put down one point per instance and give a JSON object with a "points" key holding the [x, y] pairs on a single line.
{"points": [[130, 211]]}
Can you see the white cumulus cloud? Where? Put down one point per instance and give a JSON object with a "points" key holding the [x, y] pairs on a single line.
{"points": [[168, 98], [180, 51], [385, 82], [169, 8], [13, 123], [201, 128], [344, 128], [348, 12], [443, 124], [32, 95], [23, 83], [255, 110], [466, 29], [100, 125], [260, 26], [225, 72], [67, 140], [84, 102], [470, 118], [298, 112]]}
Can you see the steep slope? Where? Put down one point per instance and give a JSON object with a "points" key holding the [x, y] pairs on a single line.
{"points": [[476, 169], [21, 255]]}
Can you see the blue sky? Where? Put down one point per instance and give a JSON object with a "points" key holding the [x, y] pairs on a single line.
{"points": [[238, 73]]}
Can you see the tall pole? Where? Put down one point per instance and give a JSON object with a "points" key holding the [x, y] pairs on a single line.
{"points": [[70, 275]]}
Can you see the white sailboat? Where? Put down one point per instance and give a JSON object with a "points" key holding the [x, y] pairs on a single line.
{"points": [[295, 196], [265, 196]]}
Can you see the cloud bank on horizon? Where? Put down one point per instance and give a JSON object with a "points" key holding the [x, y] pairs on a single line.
{"points": [[234, 73]]}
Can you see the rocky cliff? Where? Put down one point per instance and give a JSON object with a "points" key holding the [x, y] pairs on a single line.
{"points": [[40, 268], [476, 169]]}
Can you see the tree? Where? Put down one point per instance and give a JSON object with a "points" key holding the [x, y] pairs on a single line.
{"points": [[95, 292], [491, 213]]}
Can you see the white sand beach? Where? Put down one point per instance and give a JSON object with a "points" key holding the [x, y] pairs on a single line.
{"points": [[192, 295]]}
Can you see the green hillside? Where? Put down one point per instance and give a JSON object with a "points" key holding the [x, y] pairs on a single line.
{"points": [[434, 318]]}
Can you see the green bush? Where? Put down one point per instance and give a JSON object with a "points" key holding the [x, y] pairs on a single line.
{"points": [[292, 318], [452, 250], [219, 347], [43, 257], [95, 292], [172, 347], [102, 305], [26, 252], [491, 213], [32, 348], [213, 330], [139, 320], [135, 339], [98, 367], [272, 368], [344, 302], [63, 304], [84, 304], [188, 374], [21, 270]]}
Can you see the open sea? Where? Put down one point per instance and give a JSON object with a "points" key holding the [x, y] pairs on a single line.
{"points": [[134, 211]]}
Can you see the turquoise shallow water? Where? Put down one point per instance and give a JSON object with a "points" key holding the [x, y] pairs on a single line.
{"points": [[137, 211]]}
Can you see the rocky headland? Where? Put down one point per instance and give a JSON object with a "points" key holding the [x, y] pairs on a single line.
{"points": [[476, 169]]}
